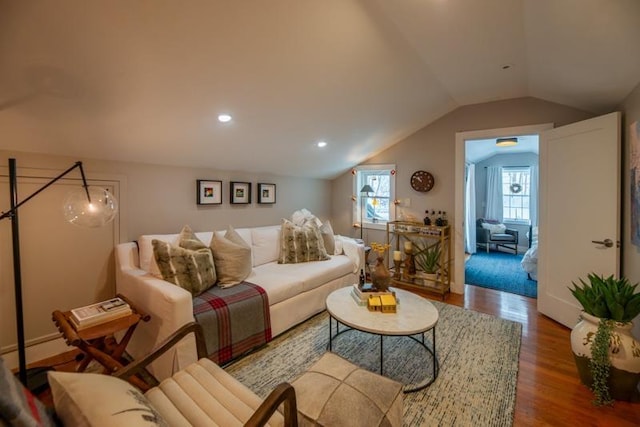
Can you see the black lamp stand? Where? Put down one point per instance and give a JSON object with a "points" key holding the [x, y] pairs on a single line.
{"points": [[35, 379]]}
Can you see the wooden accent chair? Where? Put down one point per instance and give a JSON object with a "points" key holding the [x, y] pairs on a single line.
{"points": [[236, 398]]}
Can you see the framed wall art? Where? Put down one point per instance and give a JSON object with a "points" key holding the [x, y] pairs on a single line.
{"points": [[266, 193], [209, 192], [240, 192]]}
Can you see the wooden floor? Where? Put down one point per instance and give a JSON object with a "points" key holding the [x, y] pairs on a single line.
{"points": [[549, 392]]}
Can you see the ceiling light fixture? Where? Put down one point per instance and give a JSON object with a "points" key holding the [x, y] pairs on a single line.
{"points": [[321, 144], [224, 118], [506, 142]]}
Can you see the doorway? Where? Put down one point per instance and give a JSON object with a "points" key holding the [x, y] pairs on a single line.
{"points": [[501, 194], [460, 220]]}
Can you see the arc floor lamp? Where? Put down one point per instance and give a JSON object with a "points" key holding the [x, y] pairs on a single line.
{"points": [[84, 206]]}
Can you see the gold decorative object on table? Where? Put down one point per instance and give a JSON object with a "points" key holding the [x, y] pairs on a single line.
{"points": [[380, 275], [382, 303], [421, 243], [397, 262]]}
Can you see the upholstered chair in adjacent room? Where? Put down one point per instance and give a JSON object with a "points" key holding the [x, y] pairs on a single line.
{"points": [[490, 232]]}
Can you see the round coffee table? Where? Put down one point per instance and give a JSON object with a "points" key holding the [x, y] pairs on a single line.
{"points": [[414, 316]]}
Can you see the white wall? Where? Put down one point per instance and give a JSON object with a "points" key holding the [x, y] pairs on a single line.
{"points": [[432, 148], [153, 199], [630, 253]]}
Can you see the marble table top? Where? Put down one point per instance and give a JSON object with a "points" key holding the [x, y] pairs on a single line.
{"points": [[414, 314]]}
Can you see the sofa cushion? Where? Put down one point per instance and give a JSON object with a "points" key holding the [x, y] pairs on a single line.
{"points": [[17, 405], [188, 240], [147, 260], [301, 243], [503, 237], [303, 215], [309, 275], [494, 228], [266, 244], [83, 399], [278, 285], [192, 270], [327, 237], [232, 257]]}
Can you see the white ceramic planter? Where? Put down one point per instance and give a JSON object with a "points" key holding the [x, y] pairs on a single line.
{"points": [[624, 353]]}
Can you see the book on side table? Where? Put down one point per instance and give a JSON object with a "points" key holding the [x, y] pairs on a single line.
{"points": [[100, 312]]}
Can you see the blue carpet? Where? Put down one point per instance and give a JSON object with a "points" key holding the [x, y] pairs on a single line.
{"points": [[500, 271]]}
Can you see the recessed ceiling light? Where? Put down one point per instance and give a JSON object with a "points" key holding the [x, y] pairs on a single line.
{"points": [[321, 144], [224, 118]]}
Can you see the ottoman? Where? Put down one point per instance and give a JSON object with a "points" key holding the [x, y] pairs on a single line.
{"points": [[334, 392]]}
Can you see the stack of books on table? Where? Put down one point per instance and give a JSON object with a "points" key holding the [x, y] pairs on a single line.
{"points": [[361, 296], [100, 312]]}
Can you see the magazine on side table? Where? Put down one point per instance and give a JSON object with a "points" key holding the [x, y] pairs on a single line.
{"points": [[100, 312]]}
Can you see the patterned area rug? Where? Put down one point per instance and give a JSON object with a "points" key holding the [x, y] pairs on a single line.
{"points": [[500, 271], [478, 356]]}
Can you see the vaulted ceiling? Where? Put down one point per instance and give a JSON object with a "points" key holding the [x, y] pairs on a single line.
{"points": [[144, 80]]}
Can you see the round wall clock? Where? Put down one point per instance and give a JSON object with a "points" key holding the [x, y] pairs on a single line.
{"points": [[422, 181]]}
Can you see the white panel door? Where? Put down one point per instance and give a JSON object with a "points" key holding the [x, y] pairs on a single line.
{"points": [[579, 203]]}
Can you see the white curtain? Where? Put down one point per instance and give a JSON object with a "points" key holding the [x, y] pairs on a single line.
{"points": [[533, 195], [494, 193], [470, 209]]}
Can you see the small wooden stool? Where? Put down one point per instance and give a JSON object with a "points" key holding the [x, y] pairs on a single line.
{"points": [[97, 342]]}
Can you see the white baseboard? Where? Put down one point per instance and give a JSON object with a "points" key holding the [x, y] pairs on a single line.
{"points": [[35, 353]]}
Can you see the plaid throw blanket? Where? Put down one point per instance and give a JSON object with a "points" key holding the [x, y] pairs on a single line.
{"points": [[235, 320]]}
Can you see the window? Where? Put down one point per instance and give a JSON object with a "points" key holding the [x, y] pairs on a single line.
{"points": [[378, 204], [516, 190]]}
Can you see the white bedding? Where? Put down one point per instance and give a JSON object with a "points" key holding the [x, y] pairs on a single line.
{"points": [[530, 259], [530, 262]]}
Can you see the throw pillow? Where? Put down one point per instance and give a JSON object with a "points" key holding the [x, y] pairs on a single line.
{"points": [[18, 407], [192, 270], [301, 243], [339, 245], [327, 237], [188, 239], [494, 228], [97, 400], [304, 215], [232, 257]]}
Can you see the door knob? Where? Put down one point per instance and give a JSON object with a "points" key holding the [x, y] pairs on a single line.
{"points": [[606, 242]]}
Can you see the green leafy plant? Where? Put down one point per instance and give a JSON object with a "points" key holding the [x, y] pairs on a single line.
{"points": [[600, 363], [612, 300], [427, 257], [608, 298]]}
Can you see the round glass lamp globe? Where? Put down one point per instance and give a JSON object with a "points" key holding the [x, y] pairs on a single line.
{"points": [[100, 211]]}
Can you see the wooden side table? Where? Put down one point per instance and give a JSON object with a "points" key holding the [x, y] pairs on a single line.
{"points": [[98, 343]]}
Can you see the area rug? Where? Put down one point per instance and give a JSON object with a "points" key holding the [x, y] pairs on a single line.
{"points": [[500, 271], [477, 354]]}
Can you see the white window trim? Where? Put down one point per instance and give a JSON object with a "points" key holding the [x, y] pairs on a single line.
{"points": [[381, 225]]}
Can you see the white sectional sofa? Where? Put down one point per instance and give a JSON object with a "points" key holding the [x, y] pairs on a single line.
{"points": [[296, 291]]}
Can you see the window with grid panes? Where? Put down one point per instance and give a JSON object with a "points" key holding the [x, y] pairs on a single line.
{"points": [[516, 190], [377, 207]]}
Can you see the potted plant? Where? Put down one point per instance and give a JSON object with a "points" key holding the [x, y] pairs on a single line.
{"points": [[606, 354], [427, 259]]}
